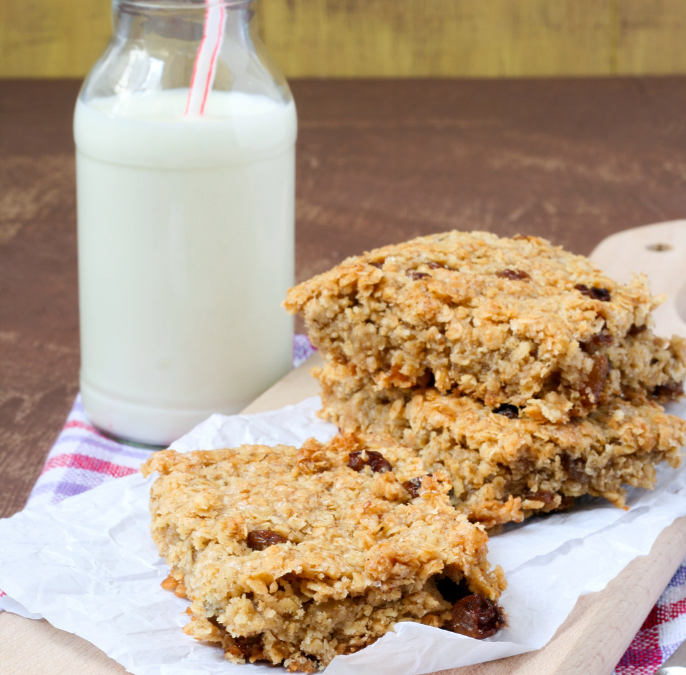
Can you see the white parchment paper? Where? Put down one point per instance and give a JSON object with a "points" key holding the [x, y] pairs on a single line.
{"points": [[89, 567]]}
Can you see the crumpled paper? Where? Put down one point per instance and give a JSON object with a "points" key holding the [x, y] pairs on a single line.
{"points": [[89, 567]]}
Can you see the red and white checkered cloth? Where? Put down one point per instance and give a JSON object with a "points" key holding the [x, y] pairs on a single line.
{"points": [[82, 459]]}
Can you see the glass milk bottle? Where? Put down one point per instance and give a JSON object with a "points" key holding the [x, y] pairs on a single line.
{"points": [[185, 135]]}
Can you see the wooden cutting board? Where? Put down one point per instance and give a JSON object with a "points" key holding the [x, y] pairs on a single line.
{"points": [[597, 632]]}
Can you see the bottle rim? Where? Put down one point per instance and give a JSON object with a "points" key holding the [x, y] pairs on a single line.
{"points": [[175, 4]]}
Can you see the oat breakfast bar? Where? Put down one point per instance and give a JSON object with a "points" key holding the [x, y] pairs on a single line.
{"points": [[503, 466], [293, 555], [506, 321]]}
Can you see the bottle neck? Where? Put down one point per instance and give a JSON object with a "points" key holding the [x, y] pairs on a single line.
{"points": [[173, 44], [182, 20]]}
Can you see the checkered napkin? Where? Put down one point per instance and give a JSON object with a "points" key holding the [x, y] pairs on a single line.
{"points": [[82, 459]]}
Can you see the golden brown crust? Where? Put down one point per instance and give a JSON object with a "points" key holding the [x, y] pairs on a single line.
{"points": [[360, 553], [502, 320], [505, 469]]}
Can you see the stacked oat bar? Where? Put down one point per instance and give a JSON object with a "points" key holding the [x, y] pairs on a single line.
{"points": [[519, 368]]}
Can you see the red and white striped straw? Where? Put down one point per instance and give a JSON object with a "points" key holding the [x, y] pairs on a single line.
{"points": [[206, 58]]}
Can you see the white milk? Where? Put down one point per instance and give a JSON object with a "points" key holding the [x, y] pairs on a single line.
{"points": [[185, 234]]}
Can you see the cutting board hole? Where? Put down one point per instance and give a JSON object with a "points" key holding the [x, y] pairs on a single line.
{"points": [[660, 248]]}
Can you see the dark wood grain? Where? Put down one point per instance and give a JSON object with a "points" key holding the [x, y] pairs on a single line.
{"points": [[378, 161], [39, 348]]}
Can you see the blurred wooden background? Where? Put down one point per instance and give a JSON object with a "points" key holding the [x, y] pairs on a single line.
{"points": [[390, 38]]}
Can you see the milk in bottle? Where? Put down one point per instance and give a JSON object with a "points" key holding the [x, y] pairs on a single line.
{"points": [[185, 236]]}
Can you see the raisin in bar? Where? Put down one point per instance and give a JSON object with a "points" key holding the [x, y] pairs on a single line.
{"points": [[503, 466], [507, 321], [293, 555]]}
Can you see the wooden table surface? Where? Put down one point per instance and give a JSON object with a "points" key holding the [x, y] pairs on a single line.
{"points": [[378, 162]]}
